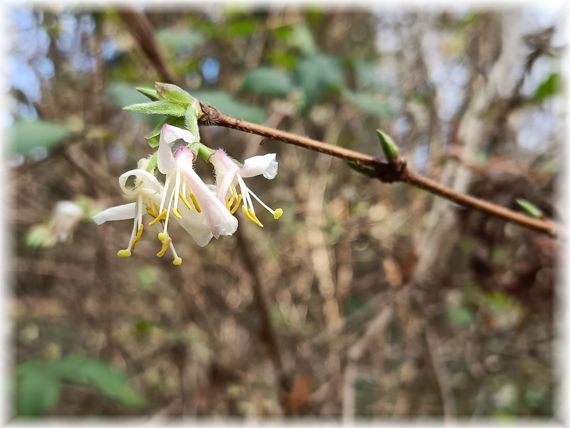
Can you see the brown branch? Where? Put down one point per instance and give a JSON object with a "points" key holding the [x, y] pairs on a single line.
{"points": [[383, 171], [141, 29]]}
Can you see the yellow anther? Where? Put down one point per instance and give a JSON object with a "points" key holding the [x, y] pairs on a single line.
{"points": [[278, 213], [163, 236], [137, 237], [236, 206], [177, 261], [195, 202], [230, 201], [185, 200], [251, 215], [177, 213], [165, 245], [160, 217], [124, 253], [150, 212]]}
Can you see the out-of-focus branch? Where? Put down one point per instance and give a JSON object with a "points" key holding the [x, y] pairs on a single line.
{"points": [[267, 330], [376, 328], [143, 32]]}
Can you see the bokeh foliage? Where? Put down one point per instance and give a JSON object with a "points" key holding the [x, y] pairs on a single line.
{"points": [[94, 334]]}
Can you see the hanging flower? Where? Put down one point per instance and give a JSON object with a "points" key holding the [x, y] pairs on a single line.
{"points": [[182, 184], [144, 188], [230, 176]]}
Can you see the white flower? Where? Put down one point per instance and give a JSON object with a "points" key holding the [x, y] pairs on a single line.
{"points": [[183, 184], [142, 186], [66, 215], [229, 175]]}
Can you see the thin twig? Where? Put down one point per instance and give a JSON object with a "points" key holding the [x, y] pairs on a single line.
{"points": [[375, 329], [384, 171], [441, 374]]}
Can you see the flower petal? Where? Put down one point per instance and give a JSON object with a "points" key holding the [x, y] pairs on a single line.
{"points": [[218, 218], [225, 170], [144, 182], [165, 158], [195, 224], [120, 212], [257, 165], [172, 133]]}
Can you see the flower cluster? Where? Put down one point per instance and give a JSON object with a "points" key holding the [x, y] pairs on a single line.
{"points": [[202, 210]]}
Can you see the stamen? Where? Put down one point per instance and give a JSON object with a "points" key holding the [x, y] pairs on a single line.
{"points": [[177, 261], [124, 253], [185, 201], [165, 244], [177, 212], [234, 209], [276, 214], [150, 212], [176, 191], [230, 201], [137, 237], [166, 186], [158, 218], [251, 215], [195, 202]]}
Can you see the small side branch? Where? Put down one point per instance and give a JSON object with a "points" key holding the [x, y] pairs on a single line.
{"points": [[387, 172]]}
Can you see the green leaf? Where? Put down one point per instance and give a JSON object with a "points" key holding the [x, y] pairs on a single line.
{"points": [[283, 59], [460, 316], [368, 103], [144, 327], [110, 381], [37, 390], [153, 138], [549, 87], [173, 93], [27, 136], [39, 381], [178, 39], [150, 93], [158, 107], [367, 76], [230, 106], [242, 27], [268, 81], [529, 208], [152, 162], [302, 38], [123, 94], [318, 73], [156, 131]]}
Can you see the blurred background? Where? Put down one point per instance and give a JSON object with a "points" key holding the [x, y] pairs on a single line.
{"points": [[365, 300]]}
